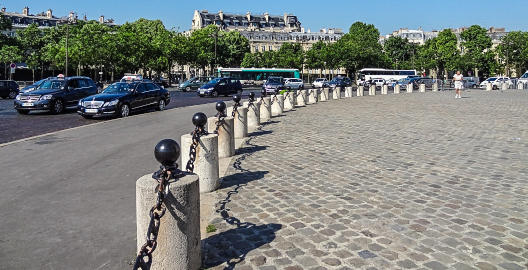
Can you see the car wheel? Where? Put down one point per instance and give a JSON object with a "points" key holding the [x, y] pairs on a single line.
{"points": [[124, 110], [22, 111], [215, 94], [57, 106], [188, 88], [161, 105], [85, 116], [12, 94]]}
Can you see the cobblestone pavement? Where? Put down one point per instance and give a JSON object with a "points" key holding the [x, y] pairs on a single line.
{"points": [[409, 181]]}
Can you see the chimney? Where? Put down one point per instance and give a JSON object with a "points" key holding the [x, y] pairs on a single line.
{"points": [[25, 11], [221, 15], [101, 19], [49, 14], [3, 9], [266, 15], [248, 16], [85, 18], [71, 16]]}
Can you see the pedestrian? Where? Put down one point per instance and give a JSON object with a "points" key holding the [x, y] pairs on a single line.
{"points": [[459, 84]]}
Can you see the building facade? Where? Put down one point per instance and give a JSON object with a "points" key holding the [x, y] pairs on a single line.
{"points": [[43, 20]]}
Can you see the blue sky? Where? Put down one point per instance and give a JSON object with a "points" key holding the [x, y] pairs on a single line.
{"points": [[386, 15]]}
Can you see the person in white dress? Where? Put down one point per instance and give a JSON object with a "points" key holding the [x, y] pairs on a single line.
{"points": [[459, 84]]}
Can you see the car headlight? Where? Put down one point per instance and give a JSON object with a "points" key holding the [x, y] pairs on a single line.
{"points": [[111, 103], [18, 97], [46, 97], [181, 85], [80, 102]]}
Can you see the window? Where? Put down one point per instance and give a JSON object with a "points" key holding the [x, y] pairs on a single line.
{"points": [[82, 83], [141, 88], [2, 84], [151, 87], [73, 83]]}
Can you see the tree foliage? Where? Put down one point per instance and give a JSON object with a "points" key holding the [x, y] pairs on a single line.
{"points": [[513, 51]]}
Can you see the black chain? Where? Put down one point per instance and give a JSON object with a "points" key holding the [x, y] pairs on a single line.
{"points": [[235, 109], [156, 213], [196, 134], [220, 121], [273, 99]]}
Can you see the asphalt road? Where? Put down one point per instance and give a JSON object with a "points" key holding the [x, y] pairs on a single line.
{"points": [[14, 126], [67, 199]]}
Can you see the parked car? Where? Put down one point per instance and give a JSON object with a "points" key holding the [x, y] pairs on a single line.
{"points": [[56, 95], [293, 83], [424, 80], [161, 82], [128, 78], [378, 82], [496, 82], [406, 81], [31, 87], [320, 82], [273, 85], [471, 82], [8, 89], [119, 99], [340, 82], [220, 86], [194, 83]]}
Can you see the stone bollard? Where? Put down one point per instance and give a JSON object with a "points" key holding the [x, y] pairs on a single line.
{"points": [[253, 115], [489, 86], [360, 90], [265, 109], [288, 101], [276, 107], [347, 93], [240, 118], [226, 135], [504, 86], [520, 86], [397, 89], [301, 98], [372, 90], [206, 160], [410, 88], [336, 94], [422, 88], [324, 95], [435, 87], [178, 238], [312, 96], [384, 89]]}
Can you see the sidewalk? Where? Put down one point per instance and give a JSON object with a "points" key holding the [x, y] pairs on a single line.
{"points": [[420, 180]]}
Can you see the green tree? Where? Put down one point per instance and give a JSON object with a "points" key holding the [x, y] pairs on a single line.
{"points": [[400, 53], [32, 42], [447, 54], [9, 54], [290, 55], [360, 48], [233, 48], [476, 45], [513, 51], [315, 57]]}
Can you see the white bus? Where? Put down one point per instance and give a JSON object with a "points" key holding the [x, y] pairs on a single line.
{"points": [[367, 74]]}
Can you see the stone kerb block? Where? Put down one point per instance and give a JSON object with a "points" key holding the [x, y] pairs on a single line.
{"points": [[410, 88], [323, 94], [178, 245], [253, 115], [265, 110], [312, 96], [397, 88], [206, 163], [372, 90], [226, 136], [422, 88], [288, 101]]}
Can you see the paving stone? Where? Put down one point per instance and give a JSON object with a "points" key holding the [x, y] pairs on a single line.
{"points": [[485, 266], [365, 254], [407, 264], [332, 261], [435, 265], [511, 266]]}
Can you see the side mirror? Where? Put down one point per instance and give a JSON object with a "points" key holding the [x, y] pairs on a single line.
{"points": [[70, 88]]}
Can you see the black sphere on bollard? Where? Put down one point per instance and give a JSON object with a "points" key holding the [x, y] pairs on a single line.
{"points": [[251, 95], [220, 106], [167, 152], [237, 98], [199, 119]]}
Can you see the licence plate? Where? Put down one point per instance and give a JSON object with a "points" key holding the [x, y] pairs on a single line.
{"points": [[27, 104], [91, 111]]}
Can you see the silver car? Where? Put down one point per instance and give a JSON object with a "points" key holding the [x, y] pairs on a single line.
{"points": [[293, 83]]}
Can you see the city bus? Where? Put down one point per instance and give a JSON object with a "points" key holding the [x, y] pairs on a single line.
{"points": [[367, 74], [257, 75]]}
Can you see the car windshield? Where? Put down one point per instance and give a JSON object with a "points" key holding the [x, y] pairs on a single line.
{"points": [[117, 88], [336, 80], [319, 80], [214, 81], [273, 80], [51, 84], [491, 79]]}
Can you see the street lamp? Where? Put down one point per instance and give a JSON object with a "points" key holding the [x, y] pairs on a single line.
{"points": [[71, 20]]}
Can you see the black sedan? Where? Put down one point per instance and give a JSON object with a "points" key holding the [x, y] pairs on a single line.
{"points": [[119, 99]]}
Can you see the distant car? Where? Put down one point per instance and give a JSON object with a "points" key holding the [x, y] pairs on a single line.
{"points": [[496, 82], [161, 82], [194, 83], [293, 83], [406, 81], [31, 87], [273, 85], [424, 80], [319, 83], [470, 82], [8, 89], [56, 95], [128, 78], [378, 82], [220, 86], [119, 99], [340, 82]]}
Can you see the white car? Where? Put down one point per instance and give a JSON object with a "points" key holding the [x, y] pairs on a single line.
{"points": [[496, 82], [293, 83], [378, 82], [319, 83]]}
